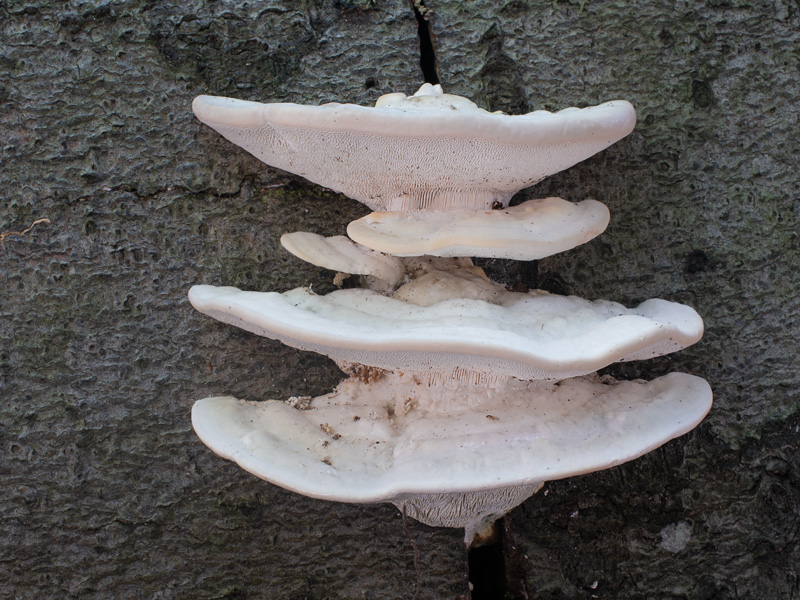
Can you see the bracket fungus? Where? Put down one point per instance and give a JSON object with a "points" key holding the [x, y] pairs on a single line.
{"points": [[430, 150], [529, 231], [343, 255], [534, 335], [406, 441], [463, 396]]}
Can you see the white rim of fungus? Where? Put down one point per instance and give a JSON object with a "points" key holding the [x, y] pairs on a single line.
{"points": [[430, 151], [609, 121], [529, 231], [377, 442], [365, 327]]}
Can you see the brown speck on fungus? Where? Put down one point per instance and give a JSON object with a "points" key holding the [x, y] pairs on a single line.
{"points": [[367, 374]]}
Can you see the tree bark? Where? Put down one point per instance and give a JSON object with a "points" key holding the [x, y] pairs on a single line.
{"points": [[106, 490]]}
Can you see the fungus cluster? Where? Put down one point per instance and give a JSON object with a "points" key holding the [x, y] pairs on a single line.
{"points": [[463, 397]]}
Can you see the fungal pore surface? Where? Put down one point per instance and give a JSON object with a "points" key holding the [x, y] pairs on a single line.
{"points": [[463, 397]]}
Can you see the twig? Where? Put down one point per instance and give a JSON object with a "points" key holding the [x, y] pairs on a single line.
{"points": [[4, 235]]}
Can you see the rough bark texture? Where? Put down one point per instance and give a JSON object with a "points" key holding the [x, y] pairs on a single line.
{"points": [[107, 492]]}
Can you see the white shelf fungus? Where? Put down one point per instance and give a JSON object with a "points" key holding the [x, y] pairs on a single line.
{"points": [[447, 461], [532, 230], [430, 150], [535, 335], [343, 255], [464, 397]]}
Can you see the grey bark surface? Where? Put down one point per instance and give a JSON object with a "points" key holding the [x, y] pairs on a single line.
{"points": [[106, 490]]}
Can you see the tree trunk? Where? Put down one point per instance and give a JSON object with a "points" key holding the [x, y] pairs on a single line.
{"points": [[106, 490]]}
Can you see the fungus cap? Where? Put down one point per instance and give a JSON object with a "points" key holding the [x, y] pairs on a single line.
{"points": [[431, 150], [530, 336], [341, 254], [529, 231], [396, 438]]}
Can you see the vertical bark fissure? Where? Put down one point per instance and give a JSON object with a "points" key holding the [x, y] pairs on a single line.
{"points": [[498, 570], [487, 571], [494, 570], [427, 51]]}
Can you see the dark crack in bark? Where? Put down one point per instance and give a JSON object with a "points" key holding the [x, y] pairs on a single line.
{"points": [[498, 569], [427, 50]]}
